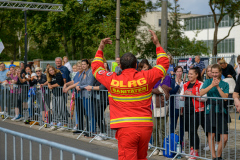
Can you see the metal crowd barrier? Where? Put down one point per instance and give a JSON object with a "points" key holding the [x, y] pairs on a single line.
{"points": [[83, 111], [90, 116], [51, 145], [185, 123]]}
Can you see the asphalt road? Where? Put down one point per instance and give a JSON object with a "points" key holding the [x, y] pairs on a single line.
{"points": [[105, 151]]}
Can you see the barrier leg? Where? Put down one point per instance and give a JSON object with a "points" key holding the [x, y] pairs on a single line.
{"points": [[81, 133]]}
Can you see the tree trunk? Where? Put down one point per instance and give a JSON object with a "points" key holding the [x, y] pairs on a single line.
{"points": [[65, 44], [214, 51], [19, 34], [73, 47], [81, 47]]}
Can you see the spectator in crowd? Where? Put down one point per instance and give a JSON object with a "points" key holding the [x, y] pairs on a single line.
{"points": [[159, 107], [193, 110], [64, 70], [87, 79], [217, 117], [40, 80], [237, 67], [176, 85], [200, 64], [67, 64], [45, 70], [227, 69], [100, 103], [218, 60], [217, 137], [106, 66], [14, 75], [236, 95], [118, 69], [7, 92], [17, 115], [30, 76], [3, 77], [24, 81], [22, 67], [209, 72], [74, 72], [11, 64], [144, 65], [59, 110], [170, 71], [79, 106], [22, 93]]}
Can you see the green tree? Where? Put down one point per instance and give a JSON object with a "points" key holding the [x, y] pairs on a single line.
{"points": [[11, 33], [221, 8]]}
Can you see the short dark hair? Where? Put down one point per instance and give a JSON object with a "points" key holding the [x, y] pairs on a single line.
{"points": [[128, 60], [85, 60], [28, 66], [176, 68], [197, 71], [141, 64]]}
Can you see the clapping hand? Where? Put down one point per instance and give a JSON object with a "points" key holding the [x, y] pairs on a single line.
{"points": [[215, 82]]}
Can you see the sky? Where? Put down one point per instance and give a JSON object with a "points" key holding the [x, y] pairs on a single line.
{"points": [[193, 6]]}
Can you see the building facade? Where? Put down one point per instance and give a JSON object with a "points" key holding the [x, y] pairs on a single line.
{"points": [[201, 27]]}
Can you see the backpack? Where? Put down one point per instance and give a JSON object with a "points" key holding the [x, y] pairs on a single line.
{"points": [[172, 141]]}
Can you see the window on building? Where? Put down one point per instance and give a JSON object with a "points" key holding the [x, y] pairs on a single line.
{"points": [[205, 22], [225, 46]]}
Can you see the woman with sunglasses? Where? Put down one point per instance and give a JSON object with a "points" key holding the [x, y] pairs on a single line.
{"points": [[40, 80]]}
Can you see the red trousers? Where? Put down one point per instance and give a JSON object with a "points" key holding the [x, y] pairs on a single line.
{"points": [[133, 142]]}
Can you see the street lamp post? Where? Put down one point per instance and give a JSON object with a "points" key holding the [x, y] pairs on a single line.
{"points": [[164, 25], [117, 50]]}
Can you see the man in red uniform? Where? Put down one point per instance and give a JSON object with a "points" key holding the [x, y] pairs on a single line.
{"points": [[130, 96]]}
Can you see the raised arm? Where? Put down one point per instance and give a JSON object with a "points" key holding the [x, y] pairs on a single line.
{"points": [[98, 69], [162, 64]]}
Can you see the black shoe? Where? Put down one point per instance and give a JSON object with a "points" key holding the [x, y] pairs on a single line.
{"points": [[87, 135], [218, 158], [77, 132]]}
